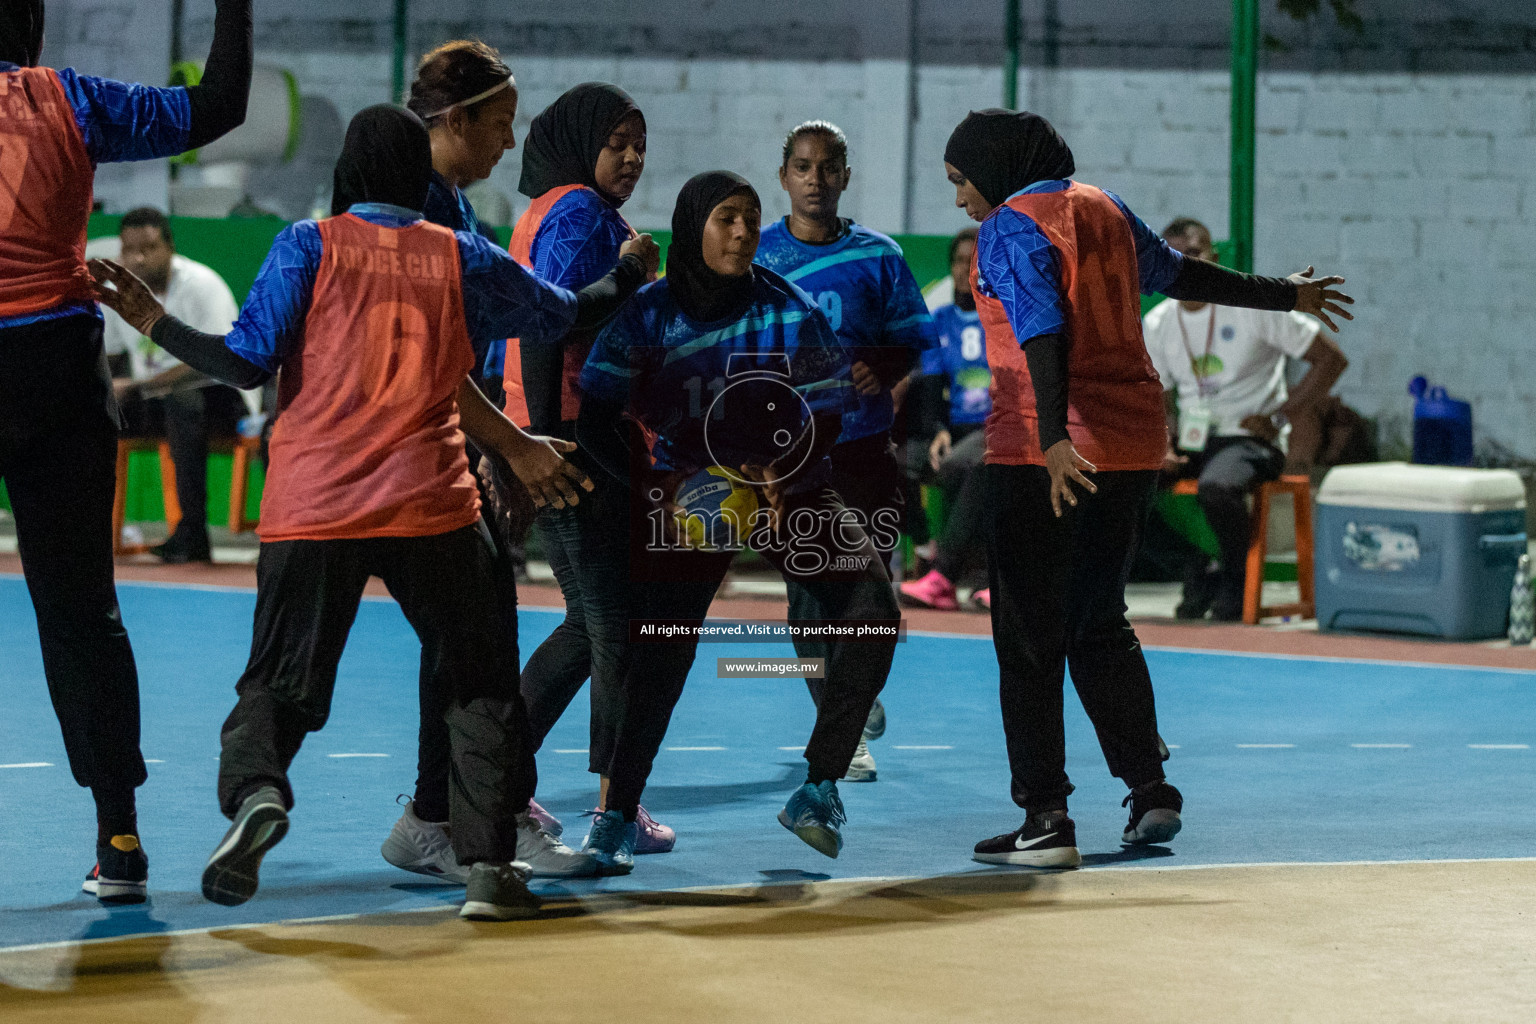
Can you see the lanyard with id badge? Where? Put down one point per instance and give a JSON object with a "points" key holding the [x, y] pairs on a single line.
{"points": [[1195, 417]]}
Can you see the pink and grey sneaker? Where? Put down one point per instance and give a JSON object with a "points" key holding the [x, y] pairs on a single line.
{"points": [[983, 599], [932, 591], [548, 822], [654, 836]]}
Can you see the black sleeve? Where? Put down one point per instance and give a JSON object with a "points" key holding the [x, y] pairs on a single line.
{"points": [[1046, 355], [206, 353], [218, 101], [1203, 281], [598, 301], [932, 410], [889, 363], [543, 364], [603, 432]]}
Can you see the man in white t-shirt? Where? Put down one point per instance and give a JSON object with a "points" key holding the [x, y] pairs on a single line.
{"points": [[162, 393], [1224, 369]]}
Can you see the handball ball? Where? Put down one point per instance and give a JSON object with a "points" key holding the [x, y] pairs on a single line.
{"points": [[715, 510]]}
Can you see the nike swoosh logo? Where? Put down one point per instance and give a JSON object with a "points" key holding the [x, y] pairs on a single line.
{"points": [[1020, 844]]}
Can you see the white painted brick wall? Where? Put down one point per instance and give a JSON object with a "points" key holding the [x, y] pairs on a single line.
{"points": [[1420, 189]]}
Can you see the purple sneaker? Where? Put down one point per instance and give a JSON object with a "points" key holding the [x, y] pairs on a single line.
{"points": [[548, 822], [654, 836]]}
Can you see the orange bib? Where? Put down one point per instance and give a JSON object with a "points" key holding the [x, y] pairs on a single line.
{"points": [[1114, 399], [575, 356], [46, 181], [367, 440]]}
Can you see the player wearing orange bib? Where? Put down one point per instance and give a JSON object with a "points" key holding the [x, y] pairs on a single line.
{"points": [[58, 419], [1075, 440]]}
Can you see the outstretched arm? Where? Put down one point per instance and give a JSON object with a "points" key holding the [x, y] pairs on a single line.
{"points": [[118, 289], [218, 101], [1203, 281]]}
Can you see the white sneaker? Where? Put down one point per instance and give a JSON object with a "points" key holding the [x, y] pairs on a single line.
{"points": [[423, 847], [546, 855], [862, 767]]}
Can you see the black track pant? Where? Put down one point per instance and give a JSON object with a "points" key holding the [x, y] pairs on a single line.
{"points": [[868, 478], [1058, 601], [961, 476], [681, 585], [588, 551], [307, 595], [189, 418], [1230, 469], [58, 456]]}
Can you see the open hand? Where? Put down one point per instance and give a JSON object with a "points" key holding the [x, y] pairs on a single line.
{"points": [[1318, 297], [645, 247], [129, 297], [549, 478], [1065, 465]]}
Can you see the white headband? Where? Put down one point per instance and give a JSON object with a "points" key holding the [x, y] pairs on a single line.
{"points": [[492, 91]]}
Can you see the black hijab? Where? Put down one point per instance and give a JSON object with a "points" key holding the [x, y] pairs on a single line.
{"points": [[565, 139], [386, 158], [1003, 151], [21, 32], [700, 292]]}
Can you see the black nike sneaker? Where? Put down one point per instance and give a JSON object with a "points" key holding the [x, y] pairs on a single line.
{"points": [[1155, 811], [121, 874], [1043, 841]]}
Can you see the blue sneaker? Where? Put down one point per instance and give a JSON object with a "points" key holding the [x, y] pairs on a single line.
{"points": [[611, 842], [814, 813]]}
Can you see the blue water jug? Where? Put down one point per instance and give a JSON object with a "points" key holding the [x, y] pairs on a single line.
{"points": [[1442, 426]]}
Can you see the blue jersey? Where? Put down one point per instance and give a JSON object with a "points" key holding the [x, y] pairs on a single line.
{"points": [[119, 122], [724, 393], [501, 298], [962, 359], [448, 206], [1018, 265], [863, 284], [578, 240]]}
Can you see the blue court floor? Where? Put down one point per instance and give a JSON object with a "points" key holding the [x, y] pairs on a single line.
{"points": [[1280, 760]]}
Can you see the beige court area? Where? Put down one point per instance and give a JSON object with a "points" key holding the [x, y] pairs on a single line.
{"points": [[1431, 941]]}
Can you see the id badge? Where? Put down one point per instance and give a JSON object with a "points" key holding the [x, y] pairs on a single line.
{"points": [[1194, 428]]}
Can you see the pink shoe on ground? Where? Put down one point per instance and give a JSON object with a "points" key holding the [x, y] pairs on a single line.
{"points": [[932, 591], [654, 836], [983, 599], [548, 822]]}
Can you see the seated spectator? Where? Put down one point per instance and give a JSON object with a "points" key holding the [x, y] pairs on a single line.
{"points": [[160, 393], [1230, 419], [954, 396]]}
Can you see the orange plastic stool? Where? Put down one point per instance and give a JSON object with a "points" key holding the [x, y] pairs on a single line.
{"points": [[1300, 490], [126, 447], [240, 482]]}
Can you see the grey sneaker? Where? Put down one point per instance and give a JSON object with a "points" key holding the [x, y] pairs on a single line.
{"points": [[862, 767], [423, 847], [231, 875], [874, 725], [499, 892], [548, 857]]}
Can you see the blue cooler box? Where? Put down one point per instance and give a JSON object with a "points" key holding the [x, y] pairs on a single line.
{"points": [[1418, 549]]}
